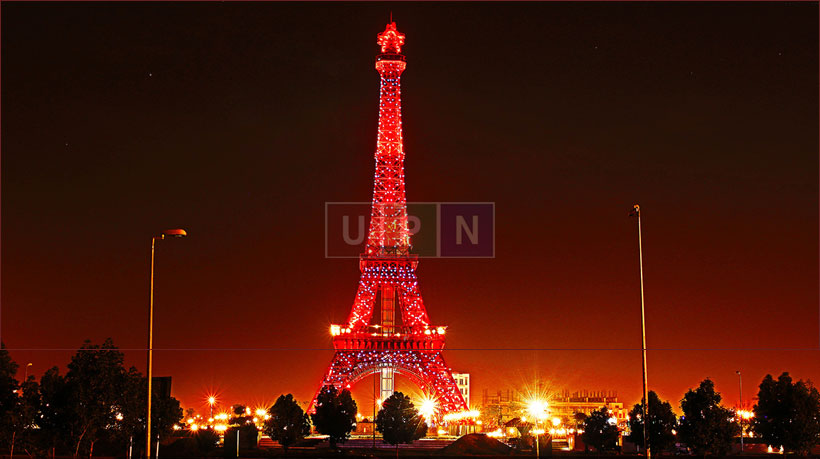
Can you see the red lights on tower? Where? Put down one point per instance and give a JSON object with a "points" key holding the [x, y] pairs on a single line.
{"points": [[391, 39], [403, 343]]}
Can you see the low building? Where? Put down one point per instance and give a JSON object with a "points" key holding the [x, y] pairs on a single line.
{"points": [[463, 384]]}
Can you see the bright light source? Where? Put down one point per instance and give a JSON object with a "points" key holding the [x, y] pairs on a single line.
{"points": [[335, 330], [261, 412], [556, 421], [211, 400], [537, 408], [428, 408]]}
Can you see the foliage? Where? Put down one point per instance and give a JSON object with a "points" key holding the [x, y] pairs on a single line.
{"points": [[335, 414], [57, 421], [96, 377], [9, 400], [706, 426], [599, 432], [99, 399], [27, 414], [662, 422], [399, 421], [287, 423], [788, 414]]}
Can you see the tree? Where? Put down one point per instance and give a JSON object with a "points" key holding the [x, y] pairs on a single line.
{"points": [[399, 421], [28, 409], [662, 422], [57, 420], [335, 414], [97, 378], [9, 400], [788, 414], [287, 423], [599, 430], [706, 426]]}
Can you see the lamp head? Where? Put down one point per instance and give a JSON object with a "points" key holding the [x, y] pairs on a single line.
{"points": [[178, 232]]}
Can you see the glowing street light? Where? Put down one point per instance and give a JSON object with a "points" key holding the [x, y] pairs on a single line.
{"points": [[538, 410], [170, 233], [212, 402]]}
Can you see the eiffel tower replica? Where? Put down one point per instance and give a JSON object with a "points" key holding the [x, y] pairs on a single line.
{"points": [[400, 340]]}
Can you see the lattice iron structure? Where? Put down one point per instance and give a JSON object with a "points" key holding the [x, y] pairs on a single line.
{"points": [[407, 345]]}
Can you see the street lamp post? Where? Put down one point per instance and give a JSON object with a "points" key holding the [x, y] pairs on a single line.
{"points": [[170, 233], [740, 407], [211, 402], [636, 211], [25, 378]]}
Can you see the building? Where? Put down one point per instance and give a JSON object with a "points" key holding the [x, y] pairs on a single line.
{"points": [[463, 384], [504, 406]]}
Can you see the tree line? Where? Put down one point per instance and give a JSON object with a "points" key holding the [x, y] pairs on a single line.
{"points": [[99, 405], [787, 415], [398, 419], [97, 402]]}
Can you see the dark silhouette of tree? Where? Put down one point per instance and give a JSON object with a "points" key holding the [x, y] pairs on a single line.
{"points": [[788, 414], [27, 414], [335, 414], [288, 423], [9, 400], [57, 422], [399, 421], [599, 431], [99, 399], [662, 421], [97, 377], [706, 426]]}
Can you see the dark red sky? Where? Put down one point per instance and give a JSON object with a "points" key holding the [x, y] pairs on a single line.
{"points": [[239, 121]]}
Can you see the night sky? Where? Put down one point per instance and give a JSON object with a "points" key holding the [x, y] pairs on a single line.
{"points": [[238, 121]]}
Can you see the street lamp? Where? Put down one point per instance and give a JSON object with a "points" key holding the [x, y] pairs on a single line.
{"points": [[168, 233], [740, 407], [25, 378], [636, 211], [212, 402], [538, 410]]}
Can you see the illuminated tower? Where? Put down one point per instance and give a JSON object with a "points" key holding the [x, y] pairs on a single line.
{"points": [[400, 340]]}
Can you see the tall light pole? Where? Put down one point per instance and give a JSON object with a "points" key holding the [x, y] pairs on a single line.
{"points": [[636, 211], [211, 402], [25, 378], [170, 233], [740, 407]]}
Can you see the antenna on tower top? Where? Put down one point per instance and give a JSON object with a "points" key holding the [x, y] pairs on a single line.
{"points": [[391, 16]]}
